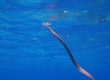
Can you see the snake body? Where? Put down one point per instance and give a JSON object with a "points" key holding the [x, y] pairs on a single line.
{"points": [[69, 53]]}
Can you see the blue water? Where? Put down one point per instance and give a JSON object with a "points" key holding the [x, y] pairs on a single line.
{"points": [[28, 51]]}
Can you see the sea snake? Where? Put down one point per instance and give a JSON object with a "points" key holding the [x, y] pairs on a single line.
{"points": [[46, 24]]}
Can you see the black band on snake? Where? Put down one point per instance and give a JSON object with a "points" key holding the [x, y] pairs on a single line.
{"points": [[69, 53]]}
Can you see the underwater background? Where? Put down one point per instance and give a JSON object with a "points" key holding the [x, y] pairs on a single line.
{"points": [[28, 51]]}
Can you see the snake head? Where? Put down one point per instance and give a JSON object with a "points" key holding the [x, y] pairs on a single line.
{"points": [[46, 23]]}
